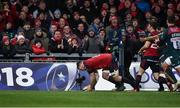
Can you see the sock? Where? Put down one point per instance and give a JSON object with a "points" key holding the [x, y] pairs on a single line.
{"points": [[160, 81], [129, 76], [164, 80], [170, 76], [117, 83], [132, 83], [111, 79], [138, 79]]}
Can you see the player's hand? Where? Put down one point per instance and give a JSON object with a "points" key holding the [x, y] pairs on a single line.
{"points": [[59, 46], [87, 88], [140, 52]]}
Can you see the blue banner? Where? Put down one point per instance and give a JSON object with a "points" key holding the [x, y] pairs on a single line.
{"points": [[41, 76]]}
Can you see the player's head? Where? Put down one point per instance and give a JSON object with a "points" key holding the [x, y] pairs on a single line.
{"points": [[80, 65], [171, 20], [152, 25]]}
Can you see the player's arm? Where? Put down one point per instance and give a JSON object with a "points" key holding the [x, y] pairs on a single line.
{"points": [[150, 38], [146, 46], [160, 36]]}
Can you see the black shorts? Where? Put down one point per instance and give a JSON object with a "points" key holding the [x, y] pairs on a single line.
{"points": [[152, 63], [114, 64], [92, 71]]}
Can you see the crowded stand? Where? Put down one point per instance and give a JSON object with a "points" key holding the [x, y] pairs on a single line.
{"points": [[79, 26]]}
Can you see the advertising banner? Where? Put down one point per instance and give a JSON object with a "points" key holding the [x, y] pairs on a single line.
{"points": [[147, 82], [40, 76], [61, 76]]}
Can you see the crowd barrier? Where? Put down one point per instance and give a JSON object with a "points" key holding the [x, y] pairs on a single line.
{"points": [[58, 57]]}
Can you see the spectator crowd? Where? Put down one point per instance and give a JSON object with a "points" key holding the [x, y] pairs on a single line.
{"points": [[79, 26]]}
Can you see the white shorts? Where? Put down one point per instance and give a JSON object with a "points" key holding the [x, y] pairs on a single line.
{"points": [[168, 61]]}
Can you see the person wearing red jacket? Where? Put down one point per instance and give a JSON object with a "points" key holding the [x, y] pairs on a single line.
{"points": [[37, 48]]}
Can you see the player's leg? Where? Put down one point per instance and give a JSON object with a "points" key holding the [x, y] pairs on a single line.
{"points": [[120, 86], [172, 79], [116, 73], [114, 78], [177, 68], [93, 80], [160, 78], [175, 59], [127, 62], [158, 75], [127, 74], [139, 76], [119, 79], [166, 65], [170, 76], [143, 66], [167, 70], [177, 85]]}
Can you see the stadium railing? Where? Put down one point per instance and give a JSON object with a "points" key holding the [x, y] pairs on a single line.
{"points": [[52, 57]]}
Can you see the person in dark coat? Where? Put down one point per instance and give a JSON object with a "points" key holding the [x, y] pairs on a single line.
{"points": [[8, 49], [21, 46], [58, 44], [74, 46]]}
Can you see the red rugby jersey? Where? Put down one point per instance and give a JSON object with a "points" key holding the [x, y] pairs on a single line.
{"points": [[153, 48], [101, 61]]}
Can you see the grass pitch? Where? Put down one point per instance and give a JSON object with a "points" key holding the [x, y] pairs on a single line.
{"points": [[88, 99]]}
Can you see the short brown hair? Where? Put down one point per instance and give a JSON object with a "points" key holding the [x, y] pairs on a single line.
{"points": [[78, 64], [171, 19]]}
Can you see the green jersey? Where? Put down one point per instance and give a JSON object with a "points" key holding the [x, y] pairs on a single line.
{"points": [[171, 36]]}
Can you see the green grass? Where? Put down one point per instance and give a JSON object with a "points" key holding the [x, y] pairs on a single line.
{"points": [[88, 99]]}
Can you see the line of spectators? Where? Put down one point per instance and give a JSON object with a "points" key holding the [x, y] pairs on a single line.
{"points": [[78, 26]]}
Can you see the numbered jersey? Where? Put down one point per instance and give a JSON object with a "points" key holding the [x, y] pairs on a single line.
{"points": [[172, 38], [152, 51], [102, 61]]}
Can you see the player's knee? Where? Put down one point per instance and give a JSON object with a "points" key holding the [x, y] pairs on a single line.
{"points": [[117, 78], [178, 70], [92, 76], [97, 76], [165, 67], [115, 73], [105, 75], [156, 75], [141, 71]]}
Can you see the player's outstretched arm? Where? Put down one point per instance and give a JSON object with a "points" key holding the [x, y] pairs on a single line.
{"points": [[146, 45], [150, 38]]}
